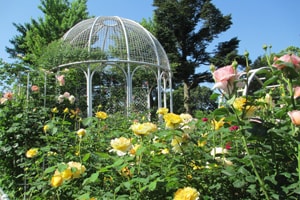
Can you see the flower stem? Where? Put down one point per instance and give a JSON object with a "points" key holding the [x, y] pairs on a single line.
{"points": [[299, 163], [261, 182]]}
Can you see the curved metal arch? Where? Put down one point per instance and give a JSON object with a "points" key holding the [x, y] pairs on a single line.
{"points": [[253, 75], [128, 43]]}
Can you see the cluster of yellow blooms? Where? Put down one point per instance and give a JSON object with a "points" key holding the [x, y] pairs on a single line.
{"points": [[101, 115], [32, 152], [141, 129], [240, 104], [73, 170], [187, 193]]}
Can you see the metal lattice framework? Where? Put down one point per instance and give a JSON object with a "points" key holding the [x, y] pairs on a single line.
{"points": [[125, 45]]}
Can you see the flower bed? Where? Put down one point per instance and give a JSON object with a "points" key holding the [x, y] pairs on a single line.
{"points": [[248, 148]]}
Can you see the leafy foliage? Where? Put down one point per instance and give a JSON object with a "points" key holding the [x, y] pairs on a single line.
{"points": [[229, 153]]}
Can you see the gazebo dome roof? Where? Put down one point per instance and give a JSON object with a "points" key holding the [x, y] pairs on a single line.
{"points": [[120, 40]]}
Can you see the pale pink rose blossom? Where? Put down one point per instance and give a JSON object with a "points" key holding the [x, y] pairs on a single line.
{"points": [[67, 95], [296, 92], [224, 78], [287, 58], [61, 80], [295, 117]]}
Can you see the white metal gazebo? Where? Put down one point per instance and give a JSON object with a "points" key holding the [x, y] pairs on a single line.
{"points": [[124, 45]]}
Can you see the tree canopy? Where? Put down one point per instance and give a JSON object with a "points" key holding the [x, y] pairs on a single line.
{"points": [[186, 28], [59, 16]]}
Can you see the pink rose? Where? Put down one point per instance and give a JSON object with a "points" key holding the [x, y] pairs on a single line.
{"points": [[61, 80], [67, 95], [296, 92], [224, 78], [35, 88], [279, 63], [295, 117], [8, 95]]}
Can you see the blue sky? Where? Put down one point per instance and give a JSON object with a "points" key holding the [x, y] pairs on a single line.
{"points": [[255, 22]]}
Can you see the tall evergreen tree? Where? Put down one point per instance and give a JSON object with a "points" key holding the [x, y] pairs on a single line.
{"points": [[59, 16], [186, 28]]}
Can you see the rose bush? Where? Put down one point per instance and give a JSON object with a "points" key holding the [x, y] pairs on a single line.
{"points": [[248, 148]]}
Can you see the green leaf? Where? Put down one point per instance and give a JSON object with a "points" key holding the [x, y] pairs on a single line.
{"points": [[50, 170], [91, 179], [152, 185], [271, 179], [86, 157], [87, 121], [84, 196], [238, 183], [127, 185], [104, 169], [62, 167], [103, 155], [220, 111], [214, 96], [118, 163], [19, 115], [250, 179], [117, 189], [229, 171], [94, 177], [45, 149], [243, 171], [271, 80]]}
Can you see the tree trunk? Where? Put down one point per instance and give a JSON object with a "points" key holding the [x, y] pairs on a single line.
{"points": [[186, 97]]}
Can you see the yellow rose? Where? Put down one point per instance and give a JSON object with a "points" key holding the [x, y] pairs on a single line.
{"points": [[239, 103], [46, 128], [187, 193], [186, 118], [66, 110], [162, 111], [56, 181], [176, 144], [32, 152], [66, 174], [54, 110], [76, 168], [250, 110], [121, 145], [172, 120], [81, 132], [101, 115], [143, 129], [134, 149], [165, 151]]}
